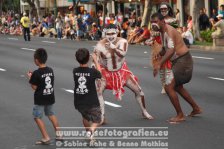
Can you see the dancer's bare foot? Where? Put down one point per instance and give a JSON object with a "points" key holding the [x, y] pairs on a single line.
{"points": [[176, 120], [163, 91], [146, 115], [195, 112]]}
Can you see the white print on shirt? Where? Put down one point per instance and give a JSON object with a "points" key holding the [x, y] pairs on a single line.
{"points": [[48, 88], [82, 74], [47, 75], [82, 86]]}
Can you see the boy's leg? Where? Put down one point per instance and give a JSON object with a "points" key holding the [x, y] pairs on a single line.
{"points": [[187, 97], [170, 90], [96, 115], [51, 115], [86, 124], [38, 114], [54, 122], [42, 128], [93, 127]]}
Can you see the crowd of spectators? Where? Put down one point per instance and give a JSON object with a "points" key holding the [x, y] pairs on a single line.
{"points": [[89, 27], [76, 27]]}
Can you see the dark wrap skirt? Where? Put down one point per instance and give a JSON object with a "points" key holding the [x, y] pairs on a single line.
{"points": [[182, 69]]}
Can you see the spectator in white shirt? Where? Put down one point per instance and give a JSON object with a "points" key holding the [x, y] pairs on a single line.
{"points": [[187, 37]]}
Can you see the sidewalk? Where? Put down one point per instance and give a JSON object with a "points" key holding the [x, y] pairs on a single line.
{"points": [[207, 48]]}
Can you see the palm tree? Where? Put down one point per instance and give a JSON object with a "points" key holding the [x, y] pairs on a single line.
{"points": [[34, 6], [75, 5], [147, 12], [1, 4], [195, 15]]}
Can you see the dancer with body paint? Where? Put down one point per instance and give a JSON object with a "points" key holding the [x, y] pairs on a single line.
{"points": [[111, 52]]}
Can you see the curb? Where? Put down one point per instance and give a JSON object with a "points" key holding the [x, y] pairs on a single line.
{"points": [[207, 48], [192, 47]]}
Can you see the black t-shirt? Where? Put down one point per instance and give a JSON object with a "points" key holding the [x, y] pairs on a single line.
{"points": [[43, 78], [85, 95]]}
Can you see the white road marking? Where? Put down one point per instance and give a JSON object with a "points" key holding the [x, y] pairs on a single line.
{"points": [[208, 58], [49, 41], [145, 52], [70, 91], [28, 49], [112, 104], [106, 102], [220, 79], [13, 38], [1, 69]]}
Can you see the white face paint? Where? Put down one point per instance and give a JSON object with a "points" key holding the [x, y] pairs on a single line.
{"points": [[155, 27], [111, 36], [164, 10]]}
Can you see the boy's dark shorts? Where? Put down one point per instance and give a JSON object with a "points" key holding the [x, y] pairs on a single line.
{"points": [[93, 114]]}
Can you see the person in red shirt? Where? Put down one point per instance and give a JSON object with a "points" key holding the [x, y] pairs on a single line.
{"points": [[144, 36]]}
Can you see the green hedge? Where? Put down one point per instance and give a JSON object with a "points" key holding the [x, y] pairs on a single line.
{"points": [[207, 35]]}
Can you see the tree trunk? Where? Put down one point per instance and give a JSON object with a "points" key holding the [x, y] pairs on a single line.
{"points": [[147, 12], [104, 12], [195, 16], [75, 5], [32, 6], [37, 4], [1, 3]]}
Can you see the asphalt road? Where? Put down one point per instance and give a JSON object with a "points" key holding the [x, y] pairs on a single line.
{"points": [[18, 130]]}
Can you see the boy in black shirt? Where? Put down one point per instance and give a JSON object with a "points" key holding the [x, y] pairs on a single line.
{"points": [[85, 94], [42, 81]]}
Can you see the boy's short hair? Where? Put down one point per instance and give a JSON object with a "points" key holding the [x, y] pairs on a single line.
{"points": [[41, 55], [82, 55], [157, 15]]}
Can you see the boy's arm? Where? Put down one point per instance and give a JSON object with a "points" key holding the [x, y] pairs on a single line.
{"points": [[29, 74], [34, 87]]}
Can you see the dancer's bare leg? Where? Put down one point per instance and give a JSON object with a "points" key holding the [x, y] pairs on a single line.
{"points": [[187, 97], [139, 96], [101, 85], [171, 92]]}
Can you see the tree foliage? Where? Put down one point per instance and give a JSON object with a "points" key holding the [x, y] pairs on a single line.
{"points": [[6, 5], [196, 8]]}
